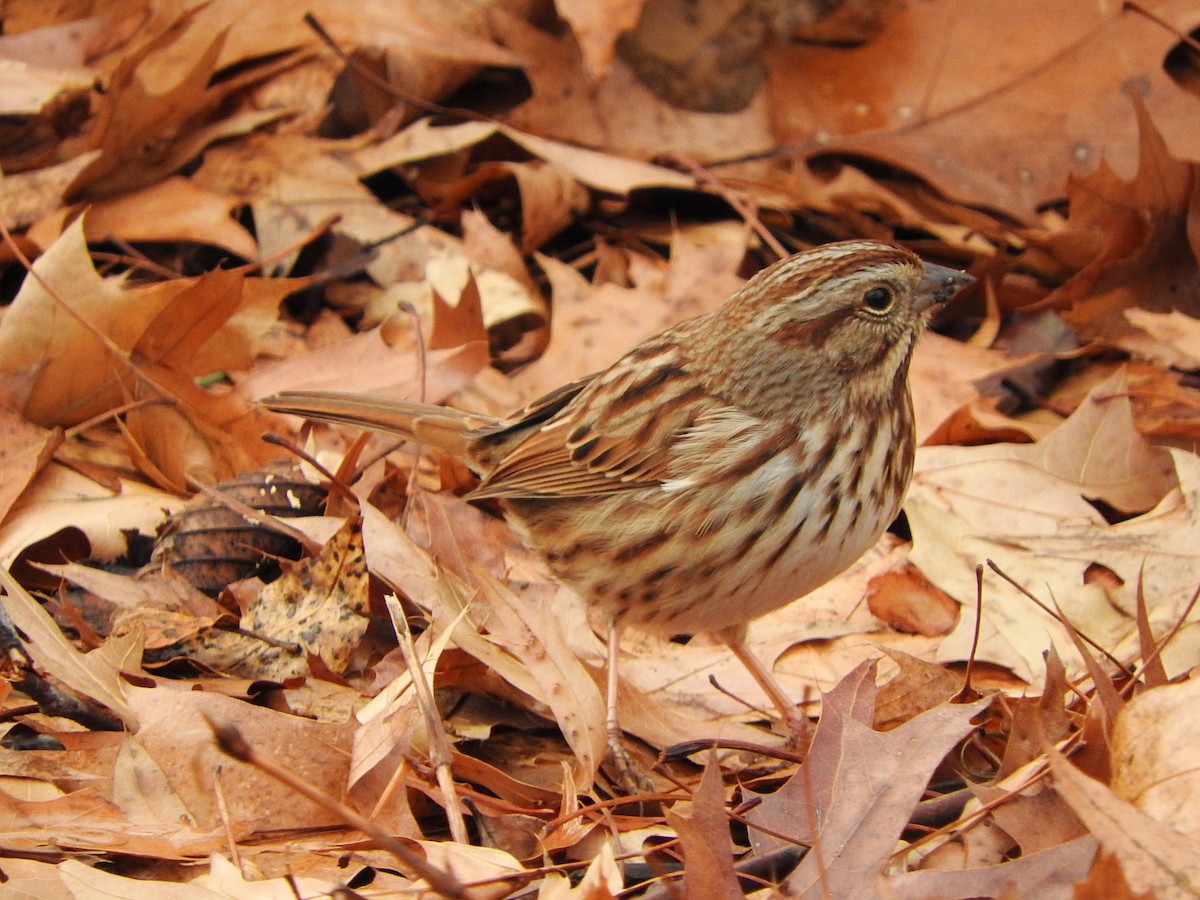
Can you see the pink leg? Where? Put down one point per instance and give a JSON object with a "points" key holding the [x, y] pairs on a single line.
{"points": [[795, 721]]}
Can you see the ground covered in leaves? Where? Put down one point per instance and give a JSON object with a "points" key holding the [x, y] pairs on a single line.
{"points": [[305, 667]]}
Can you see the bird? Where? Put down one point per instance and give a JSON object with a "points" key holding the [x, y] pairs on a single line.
{"points": [[720, 469]]}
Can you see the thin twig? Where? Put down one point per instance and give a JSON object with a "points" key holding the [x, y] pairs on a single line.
{"points": [[1058, 617], [223, 810], [965, 693], [1183, 36], [440, 754]]}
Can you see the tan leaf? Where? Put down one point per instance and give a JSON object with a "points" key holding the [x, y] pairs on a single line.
{"points": [[1155, 744], [171, 210], [24, 450], [1024, 507], [96, 675], [318, 607], [1153, 856]]}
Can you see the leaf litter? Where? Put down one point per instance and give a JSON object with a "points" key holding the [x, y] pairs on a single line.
{"points": [[475, 203]]}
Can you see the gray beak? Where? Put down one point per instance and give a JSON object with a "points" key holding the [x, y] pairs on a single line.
{"points": [[940, 283]]}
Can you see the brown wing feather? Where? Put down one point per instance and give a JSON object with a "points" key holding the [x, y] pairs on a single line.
{"points": [[617, 433]]}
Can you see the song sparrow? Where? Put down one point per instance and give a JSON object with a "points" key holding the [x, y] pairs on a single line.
{"points": [[722, 468]]}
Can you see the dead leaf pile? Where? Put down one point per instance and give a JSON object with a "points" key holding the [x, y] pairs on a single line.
{"points": [[305, 667]]}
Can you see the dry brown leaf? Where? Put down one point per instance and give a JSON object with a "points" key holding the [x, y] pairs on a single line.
{"points": [[1153, 856], [26, 87], [317, 608], [163, 605], [176, 735], [1139, 250], [619, 114], [419, 141], [923, 97], [601, 881], [597, 25], [857, 788], [1037, 722], [526, 629], [26, 197], [905, 601], [1175, 329], [96, 675], [1037, 818], [296, 184], [25, 450], [1049, 875], [98, 514], [222, 880], [1024, 507], [1106, 881], [551, 199], [84, 819], [947, 374], [382, 360], [175, 209], [916, 687], [71, 369], [604, 171], [703, 830], [1154, 754], [153, 116], [86, 345]]}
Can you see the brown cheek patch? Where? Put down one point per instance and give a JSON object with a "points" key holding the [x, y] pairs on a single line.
{"points": [[811, 334]]}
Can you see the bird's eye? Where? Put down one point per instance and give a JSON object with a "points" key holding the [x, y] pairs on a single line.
{"points": [[878, 299]]}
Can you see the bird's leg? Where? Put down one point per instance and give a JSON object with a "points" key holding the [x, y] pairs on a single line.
{"points": [[629, 778], [612, 722], [797, 723]]}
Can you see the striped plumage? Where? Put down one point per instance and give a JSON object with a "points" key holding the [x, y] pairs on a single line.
{"points": [[723, 467]]}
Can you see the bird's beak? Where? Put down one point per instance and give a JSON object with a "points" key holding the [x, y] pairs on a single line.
{"points": [[940, 283]]}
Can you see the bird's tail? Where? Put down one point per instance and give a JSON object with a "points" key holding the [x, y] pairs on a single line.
{"points": [[436, 426]]}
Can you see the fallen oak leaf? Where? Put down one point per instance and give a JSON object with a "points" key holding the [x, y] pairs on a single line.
{"points": [[852, 798], [703, 829]]}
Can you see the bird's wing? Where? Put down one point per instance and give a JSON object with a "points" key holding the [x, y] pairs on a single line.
{"points": [[615, 432]]}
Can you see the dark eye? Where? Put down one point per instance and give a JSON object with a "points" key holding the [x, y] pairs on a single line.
{"points": [[878, 299]]}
